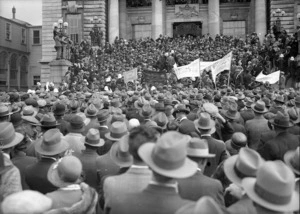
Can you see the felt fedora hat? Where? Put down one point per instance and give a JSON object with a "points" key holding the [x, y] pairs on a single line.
{"points": [[205, 122], [91, 111], [232, 112], [28, 111], [244, 164], [8, 137], [205, 205], [259, 107], [66, 171], [103, 115], [51, 143], [48, 120], [237, 141], [31, 120], [279, 99], [161, 120], [180, 108], [248, 102], [59, 109], [199, 148], [4, 111], [210, 108], [92, 138], [281, 120], [291, 158], [147, 111], [119, 152], [117, 130], [76, 124], [273, 187], [167, 156]]}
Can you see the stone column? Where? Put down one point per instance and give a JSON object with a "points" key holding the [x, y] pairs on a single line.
{"points": [[213, 17], [113, 20], [123, 19], [158, 18], [260, 19]]}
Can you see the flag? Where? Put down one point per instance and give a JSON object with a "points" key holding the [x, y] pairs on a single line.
{"points": [[271, 78]]}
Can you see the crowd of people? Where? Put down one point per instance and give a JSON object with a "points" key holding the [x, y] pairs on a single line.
{"points": [[104, 66], [150, 150]]}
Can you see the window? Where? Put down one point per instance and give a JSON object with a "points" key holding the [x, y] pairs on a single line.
{"points": [[23, 41], [234, 28], [36, 37], [36, 79], [8, 31], [74, 28]]}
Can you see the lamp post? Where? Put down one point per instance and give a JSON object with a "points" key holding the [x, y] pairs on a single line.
{"points": [[96, 34], [60, 37]]}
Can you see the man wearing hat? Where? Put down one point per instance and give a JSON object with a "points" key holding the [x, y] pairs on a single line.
{"points": [[72, 196], [4, 113], [137, 177], [103, 117], [199, 185], [167, 160], [50, 147], [185, 125], [206, 127], [146, 113], [91, 112], [10, 181], [273, 189], [74, 137], [236, 168], [89, 157], [274, 149], [59, 112], [247, 114], [277, 105], [258, 125]]}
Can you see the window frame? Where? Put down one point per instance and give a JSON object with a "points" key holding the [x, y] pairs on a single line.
{"points": [[6, 31], [23, 36], [33, 37]]}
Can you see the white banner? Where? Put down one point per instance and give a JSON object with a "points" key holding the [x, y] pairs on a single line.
{"points": [[271, 78], [130, 75], [194, 69]]}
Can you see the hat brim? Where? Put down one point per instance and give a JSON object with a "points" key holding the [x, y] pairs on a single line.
{"points": [[248, 185], [229, 170], [276, 124], [109, 137], [116, 160], [260, 112], [287, 159], [101, 143], [71, 129], [54, 178], [4, 115], [31, 120], [231, 117], [188, 169], [135, 104], [17, 139], [212, 127], [62, 147], [194, 153], [55, 125], [180, 110]]}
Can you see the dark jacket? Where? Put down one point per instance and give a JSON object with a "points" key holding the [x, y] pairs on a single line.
{"points": [[193, 188], [152, 200], [36, 176]]}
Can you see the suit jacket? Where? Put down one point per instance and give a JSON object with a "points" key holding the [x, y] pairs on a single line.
{"points": [[92, 124], [186, 127], [237, 127], [89, 159], [247, 114], [199, 185], [244, 205], [117, 187], [255, 128], [106, 147], [21, 161], [275, 148], [294, 130], [216, 147], [64, 198], [152, 200], [63, 127], [36, 176]]}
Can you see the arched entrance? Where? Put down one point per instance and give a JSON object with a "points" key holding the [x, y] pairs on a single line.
{"points": [[13, 67], [3, 69], [24, 72], [187, 28]]}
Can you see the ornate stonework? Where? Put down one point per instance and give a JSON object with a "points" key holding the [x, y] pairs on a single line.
{"points": [[187, 11]]}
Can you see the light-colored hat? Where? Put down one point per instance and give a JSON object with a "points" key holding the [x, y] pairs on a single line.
{"points": [[8, 136], [259, 107], [273, 187], [132, 123], [32, 120], [205, 122], [66, 171], [93, 138], [84, 118], [244, 164], [4, 111], [119, 152], [117, 130], [167, 156], [205, 205], [291, 158], [198, 148], [26, 201]]}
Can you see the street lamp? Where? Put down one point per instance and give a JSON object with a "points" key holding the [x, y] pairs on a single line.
{"points": [[96, 34], [61, 38]]}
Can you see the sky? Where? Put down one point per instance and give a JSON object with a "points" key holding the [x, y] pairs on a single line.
{"points": [[26, 10]]}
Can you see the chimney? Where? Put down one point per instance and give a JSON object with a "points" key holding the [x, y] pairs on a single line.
{"points": [[14, 12]]}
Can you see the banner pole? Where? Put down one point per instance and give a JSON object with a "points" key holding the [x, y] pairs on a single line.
{"points": [[200, 74]]}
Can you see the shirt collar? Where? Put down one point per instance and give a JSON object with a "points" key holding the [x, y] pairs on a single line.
{"points": [[205, 135], [173, 185], [6, 155]]}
